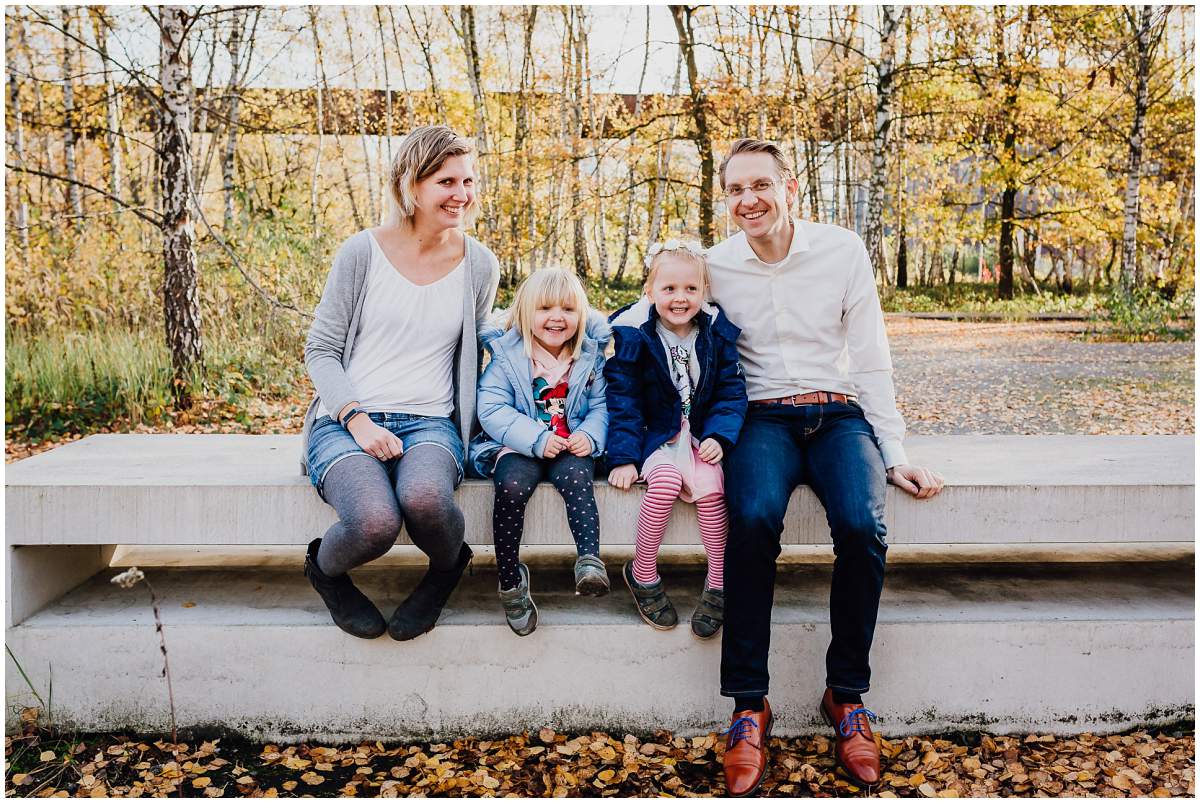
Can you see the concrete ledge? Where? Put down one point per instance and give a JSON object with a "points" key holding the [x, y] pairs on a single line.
{"points": [[246, 557], [1008, 649], [245, 489]]}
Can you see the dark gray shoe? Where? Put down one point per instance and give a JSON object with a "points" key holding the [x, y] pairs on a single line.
{"points": [[519, 609], [653, 605], [349, 607], [419, 613], [709, 613], [591, 577]]}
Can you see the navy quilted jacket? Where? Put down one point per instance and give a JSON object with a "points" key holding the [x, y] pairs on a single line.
{"points": [[644, 409]]}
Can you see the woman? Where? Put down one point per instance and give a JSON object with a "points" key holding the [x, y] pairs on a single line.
{"points": [[394, 357]]}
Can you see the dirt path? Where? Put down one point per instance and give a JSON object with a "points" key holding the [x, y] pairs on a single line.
{"points": [[1038, 378]]}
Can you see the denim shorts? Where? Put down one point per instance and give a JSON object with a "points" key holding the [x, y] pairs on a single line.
{"points": [[329, 441]]}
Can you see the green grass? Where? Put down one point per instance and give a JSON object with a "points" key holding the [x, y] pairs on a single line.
{"points": [[980, 297], [60, 383], [607, 297]]}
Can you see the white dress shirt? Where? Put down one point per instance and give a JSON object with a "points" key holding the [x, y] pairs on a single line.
{"points": [[812, 322]]}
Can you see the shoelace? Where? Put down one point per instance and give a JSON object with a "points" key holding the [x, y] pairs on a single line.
{"points": [[740, 730], [856, 721]]}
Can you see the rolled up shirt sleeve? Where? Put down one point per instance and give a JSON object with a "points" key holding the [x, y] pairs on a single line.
{"points": [[871, 361]]}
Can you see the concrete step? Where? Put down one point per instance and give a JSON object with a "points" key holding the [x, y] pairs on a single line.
{"points": [[1003, 648], [247, 490]]}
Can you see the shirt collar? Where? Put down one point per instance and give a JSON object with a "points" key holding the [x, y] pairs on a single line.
{"points": [[799, 244]]}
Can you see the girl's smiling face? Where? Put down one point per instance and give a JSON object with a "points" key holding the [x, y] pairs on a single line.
{"points": [[555, 324], [677, 289]]}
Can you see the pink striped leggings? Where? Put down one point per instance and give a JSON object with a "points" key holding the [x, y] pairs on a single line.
{"points": [[664, 484]]}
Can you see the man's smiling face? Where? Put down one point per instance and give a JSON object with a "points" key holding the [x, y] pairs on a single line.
{"points": [[758, 196]]}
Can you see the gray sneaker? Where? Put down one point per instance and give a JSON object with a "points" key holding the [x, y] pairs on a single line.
{"points": [[652, 602], [709, 613], [519, 609], [591, 578]]}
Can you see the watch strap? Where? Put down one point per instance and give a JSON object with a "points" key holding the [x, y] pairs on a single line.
{"points": [[353, 412]]}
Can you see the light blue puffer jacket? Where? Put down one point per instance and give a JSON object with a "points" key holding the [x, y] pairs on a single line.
{"points": [[505, 404]]}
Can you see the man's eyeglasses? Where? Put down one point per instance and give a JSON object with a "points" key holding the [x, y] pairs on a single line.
{"points": [[762, 187]]}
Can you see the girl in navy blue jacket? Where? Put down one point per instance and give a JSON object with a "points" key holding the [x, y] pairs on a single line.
{"points": [[676, 401]]}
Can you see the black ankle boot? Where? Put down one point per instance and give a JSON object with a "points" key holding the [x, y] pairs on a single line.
{"points": [[349, 607], [419, 613]]}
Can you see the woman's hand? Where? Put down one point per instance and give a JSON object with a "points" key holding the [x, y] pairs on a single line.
{"points": [[579, 444], [554, 446], [623, 476], [374, 439], [710, 451]]}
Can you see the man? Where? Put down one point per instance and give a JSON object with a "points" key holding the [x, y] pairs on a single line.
{"points": [[823, 413]]}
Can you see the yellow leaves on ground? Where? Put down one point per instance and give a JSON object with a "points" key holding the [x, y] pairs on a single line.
{"points": [[550, 764]]}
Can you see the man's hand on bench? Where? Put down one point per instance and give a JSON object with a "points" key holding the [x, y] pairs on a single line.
{"points": [[920, 482]]}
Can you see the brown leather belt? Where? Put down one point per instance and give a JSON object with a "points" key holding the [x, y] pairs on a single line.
{"points": [[816, 397]]}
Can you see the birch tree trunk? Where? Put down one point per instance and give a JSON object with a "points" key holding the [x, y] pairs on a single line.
{"points": [[1010, 82], [699, 108], [360, 117], [181, 306], [201, 166], [627, 225], [337, 126], [1130, 272], [423, 39], [409, 114], [235, 94], [521, 145], [112, 107], [662, 172], [597, 130], [70, 133], [470, 44], [812, 175], [578, 240], [889, 21], [385, 171], [17, 196], [314, 184]]}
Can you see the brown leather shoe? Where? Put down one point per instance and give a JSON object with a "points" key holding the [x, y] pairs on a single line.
{"points": [[746, 751], [855, 748]]}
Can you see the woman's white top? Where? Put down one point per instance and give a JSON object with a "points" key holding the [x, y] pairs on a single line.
{"points": [[403, 358]]}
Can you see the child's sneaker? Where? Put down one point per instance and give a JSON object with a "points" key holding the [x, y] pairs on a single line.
{"points": [[652, 603], [519, 609], [709, 613], [591, 578]]}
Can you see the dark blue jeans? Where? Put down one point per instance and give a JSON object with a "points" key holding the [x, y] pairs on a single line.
{"points": [[832, 449]]}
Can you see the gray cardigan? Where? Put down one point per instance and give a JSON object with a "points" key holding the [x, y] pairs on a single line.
{"points": [[335, 327]]}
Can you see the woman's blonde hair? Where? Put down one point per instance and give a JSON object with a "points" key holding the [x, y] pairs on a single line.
{"points": [[548, 287], [682, 248], [421, 154]]}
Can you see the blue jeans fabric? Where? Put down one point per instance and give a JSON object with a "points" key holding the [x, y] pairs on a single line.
{"points": [[329, 441], [832, 449]]}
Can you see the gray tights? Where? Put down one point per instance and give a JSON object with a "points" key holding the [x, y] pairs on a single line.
{"points": [[372, 507]]}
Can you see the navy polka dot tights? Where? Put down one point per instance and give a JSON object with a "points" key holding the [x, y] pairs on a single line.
{"points": [[515, 478]]}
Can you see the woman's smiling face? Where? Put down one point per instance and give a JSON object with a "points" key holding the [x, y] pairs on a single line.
{"points": [[444, 198]]}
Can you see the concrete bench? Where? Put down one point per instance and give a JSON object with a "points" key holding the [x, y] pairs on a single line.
{"points": [[1012, 641]]}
